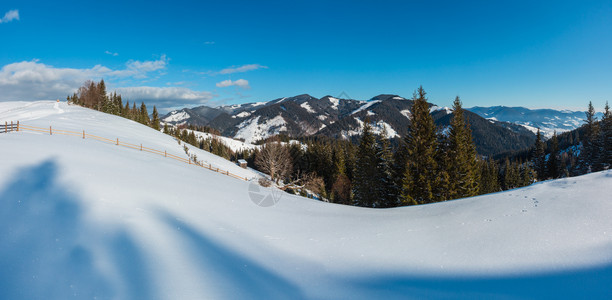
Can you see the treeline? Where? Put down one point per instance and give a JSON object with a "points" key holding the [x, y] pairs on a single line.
{"points": [[428, 165], [93, 95], [214, 145]]}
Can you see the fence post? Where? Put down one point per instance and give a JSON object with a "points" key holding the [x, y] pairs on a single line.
{"points": [[83, 134], [140, 147], [165, 153], [117, 141], [11, 125], [5, 126], [50, 131], [18, 125]]}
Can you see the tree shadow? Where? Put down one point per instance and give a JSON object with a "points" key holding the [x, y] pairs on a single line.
{"points": [[591, 283], [235, 276], [45, 245]]}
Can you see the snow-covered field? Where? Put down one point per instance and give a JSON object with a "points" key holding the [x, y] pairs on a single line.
{"points": [[88, 220]]}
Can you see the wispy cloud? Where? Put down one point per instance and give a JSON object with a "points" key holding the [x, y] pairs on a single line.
{"points": [[111, 53], [240, 69], [239, 83], [209, 43], [10, 16]]}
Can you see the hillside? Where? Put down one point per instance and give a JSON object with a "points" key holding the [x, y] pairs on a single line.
{"points": [[84, 219]]}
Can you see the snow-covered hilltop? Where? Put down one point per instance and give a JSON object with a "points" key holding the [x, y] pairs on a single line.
{"points": [[85, 219]]}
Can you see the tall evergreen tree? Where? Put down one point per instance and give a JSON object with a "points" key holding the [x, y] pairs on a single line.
{"points": [[385, 185], [463, 165], [155, 120], [144, 115], [365, 169], [606, 132], [421, 144], [553, 166], [489, 177], [539, 157], [589, 156]]}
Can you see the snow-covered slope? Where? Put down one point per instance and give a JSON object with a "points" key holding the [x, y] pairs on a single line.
{"points": [[84, 219]]}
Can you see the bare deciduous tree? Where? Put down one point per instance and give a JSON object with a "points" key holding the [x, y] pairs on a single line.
{"points": [[275, 160]]}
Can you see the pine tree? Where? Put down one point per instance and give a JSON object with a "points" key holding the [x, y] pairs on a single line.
{"points": [[442, 186], [489, 177], [553, 167], [101, 98], [155, 121], [589, 156], [385, 185], [144, 115], [365, 169], [463, 165], [421, 143], [539, 157], [606, 132]]}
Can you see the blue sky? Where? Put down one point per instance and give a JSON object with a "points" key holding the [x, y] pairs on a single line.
{"points": [[176, 53]]}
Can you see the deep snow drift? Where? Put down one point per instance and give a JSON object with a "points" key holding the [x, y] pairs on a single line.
{"points": [[84, 219]]}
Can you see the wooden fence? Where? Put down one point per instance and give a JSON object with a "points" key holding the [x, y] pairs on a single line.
{"points": [[8, 127]]}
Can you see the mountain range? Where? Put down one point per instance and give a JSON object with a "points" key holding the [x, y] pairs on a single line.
{"points": [[548, 121], [305, 115]]}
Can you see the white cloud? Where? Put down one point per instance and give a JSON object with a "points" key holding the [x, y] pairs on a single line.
{"points": [[164, 97], [33, 80], [111, 53], [10, 16], [239, 83], [244, 68]]}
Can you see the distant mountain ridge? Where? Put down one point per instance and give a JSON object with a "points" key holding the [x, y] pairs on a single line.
{"points": [[547, 120], [305, 115]]}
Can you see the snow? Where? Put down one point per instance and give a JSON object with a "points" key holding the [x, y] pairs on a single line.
{"points": [[243, 114], [307, 107], [377, 128], [176, 116], [370, 113], [322, 117], [365, 106], [434, 108], [235, 145], [335, 102], [406, 113], [250, 130], [398, 98], [85, 219]]}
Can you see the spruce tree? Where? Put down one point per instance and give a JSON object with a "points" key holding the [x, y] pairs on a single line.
{"points": [[442, 186], [420, 178], [144, 115], [365, 169], [539, 157], [155, 121], [553, 167], [606, 133], [385, 185], [463, 163], [589, 156]]}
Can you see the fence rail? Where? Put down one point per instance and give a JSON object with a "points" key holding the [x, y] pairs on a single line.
{"points": [[9, 127]]}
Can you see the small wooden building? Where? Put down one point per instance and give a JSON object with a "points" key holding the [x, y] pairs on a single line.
{"points": [[242, 163]]}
